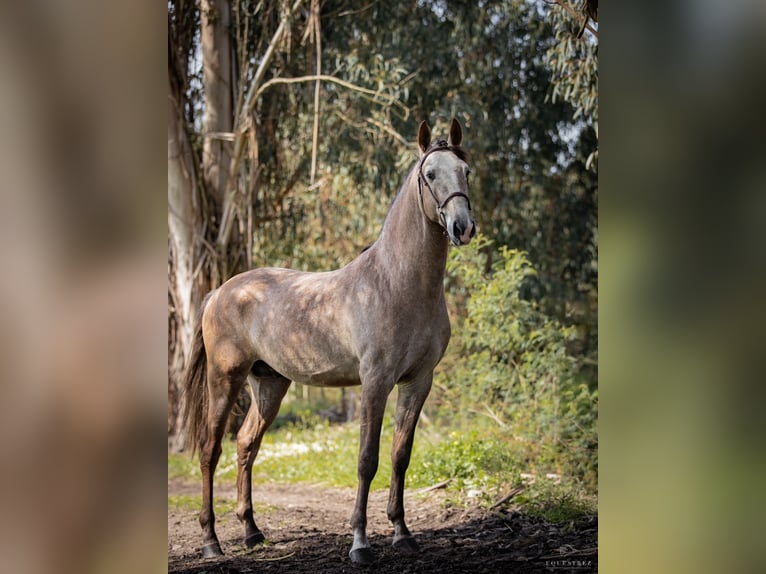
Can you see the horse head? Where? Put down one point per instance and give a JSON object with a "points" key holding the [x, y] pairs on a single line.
{"points": [[443, 171]]}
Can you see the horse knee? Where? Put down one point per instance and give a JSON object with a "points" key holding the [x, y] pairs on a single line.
{"points": [[368, 465]]}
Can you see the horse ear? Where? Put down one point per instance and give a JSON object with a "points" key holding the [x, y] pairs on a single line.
{"points": [[424, 137], [455, 133]]}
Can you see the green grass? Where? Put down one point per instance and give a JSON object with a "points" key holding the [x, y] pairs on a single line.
{"points": [[482, 465], [182, 466], [557, 503]]}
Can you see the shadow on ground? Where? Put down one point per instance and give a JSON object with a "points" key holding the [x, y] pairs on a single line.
{"points": [[480, 541]]}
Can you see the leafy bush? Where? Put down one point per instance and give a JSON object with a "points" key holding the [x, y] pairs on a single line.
{"points": [[469, 459], [509, 361]]}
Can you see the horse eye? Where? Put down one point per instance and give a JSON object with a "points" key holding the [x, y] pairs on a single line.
{"points": [[430, 175]]}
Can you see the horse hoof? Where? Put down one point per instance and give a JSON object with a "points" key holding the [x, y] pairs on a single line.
{"points": [[254, 539], [406, 544], [362, 556], [212, 550]]}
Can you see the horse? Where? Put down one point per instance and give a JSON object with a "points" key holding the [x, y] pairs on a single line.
{"points": [[379, 322]]}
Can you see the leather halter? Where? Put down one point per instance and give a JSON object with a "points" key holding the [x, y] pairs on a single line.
{"points": [[440, 145]]}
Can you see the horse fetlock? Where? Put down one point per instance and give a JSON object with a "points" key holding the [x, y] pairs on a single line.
{"points": [[400, 529], [394, 515], [206, 520], [254, 537], [360, 538], [244, 512]]}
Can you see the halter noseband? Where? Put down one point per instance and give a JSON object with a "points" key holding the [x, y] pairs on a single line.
{"points": [[441, 145]]}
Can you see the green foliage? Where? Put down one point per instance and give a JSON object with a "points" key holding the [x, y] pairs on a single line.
{"points": [[477, 463], [510, 362], [574, 66]]}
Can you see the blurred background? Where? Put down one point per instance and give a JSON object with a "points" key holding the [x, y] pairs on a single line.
{"points": [[94, 291], [82, 344], [682, 260]]}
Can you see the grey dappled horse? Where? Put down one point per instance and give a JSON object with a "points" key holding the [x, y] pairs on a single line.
{"points": [[378, 322]]}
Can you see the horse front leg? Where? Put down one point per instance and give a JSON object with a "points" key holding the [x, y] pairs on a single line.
{"points": [[374, 397], [267, 397], [409, 403]]}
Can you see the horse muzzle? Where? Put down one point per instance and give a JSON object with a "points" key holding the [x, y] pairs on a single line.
{"points": [[461, 230]]}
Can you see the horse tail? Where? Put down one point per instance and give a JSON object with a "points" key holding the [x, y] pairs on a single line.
{"points": [[194, 411]]}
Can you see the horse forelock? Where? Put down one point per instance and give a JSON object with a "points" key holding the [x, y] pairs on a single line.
{"points": [[459, 151]]}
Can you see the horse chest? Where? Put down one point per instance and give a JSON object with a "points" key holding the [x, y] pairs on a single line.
{"points": [[411, 343]]}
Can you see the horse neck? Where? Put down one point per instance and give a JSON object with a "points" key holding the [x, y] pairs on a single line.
{"points": [[410, 247]]}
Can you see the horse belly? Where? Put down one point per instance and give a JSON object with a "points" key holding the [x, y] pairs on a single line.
{"points": [[321, 375], [312, 366]]}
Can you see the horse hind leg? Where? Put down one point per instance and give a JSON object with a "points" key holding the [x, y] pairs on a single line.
{"points": [[224, 384], [267, 394]]}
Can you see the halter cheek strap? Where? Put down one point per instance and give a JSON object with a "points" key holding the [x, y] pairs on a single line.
{"points": [[440, 146]]}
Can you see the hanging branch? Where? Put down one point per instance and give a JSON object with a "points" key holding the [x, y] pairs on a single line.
{"points": [[376, 96], [243, 121], [318, 43], [239, 136]]}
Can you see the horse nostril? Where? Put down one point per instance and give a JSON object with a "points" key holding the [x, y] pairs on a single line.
{"points": [[473, 230], [456, 229]]}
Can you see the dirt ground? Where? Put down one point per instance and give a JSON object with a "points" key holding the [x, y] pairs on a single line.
{"points": [[307, 529]]}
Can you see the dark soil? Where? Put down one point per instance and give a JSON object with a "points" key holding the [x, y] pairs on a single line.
{"points": [[307, 528]]}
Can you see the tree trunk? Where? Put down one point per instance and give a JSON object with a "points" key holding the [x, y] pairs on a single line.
{"points": [[217, 81], [183, 219], [195, 194]]}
